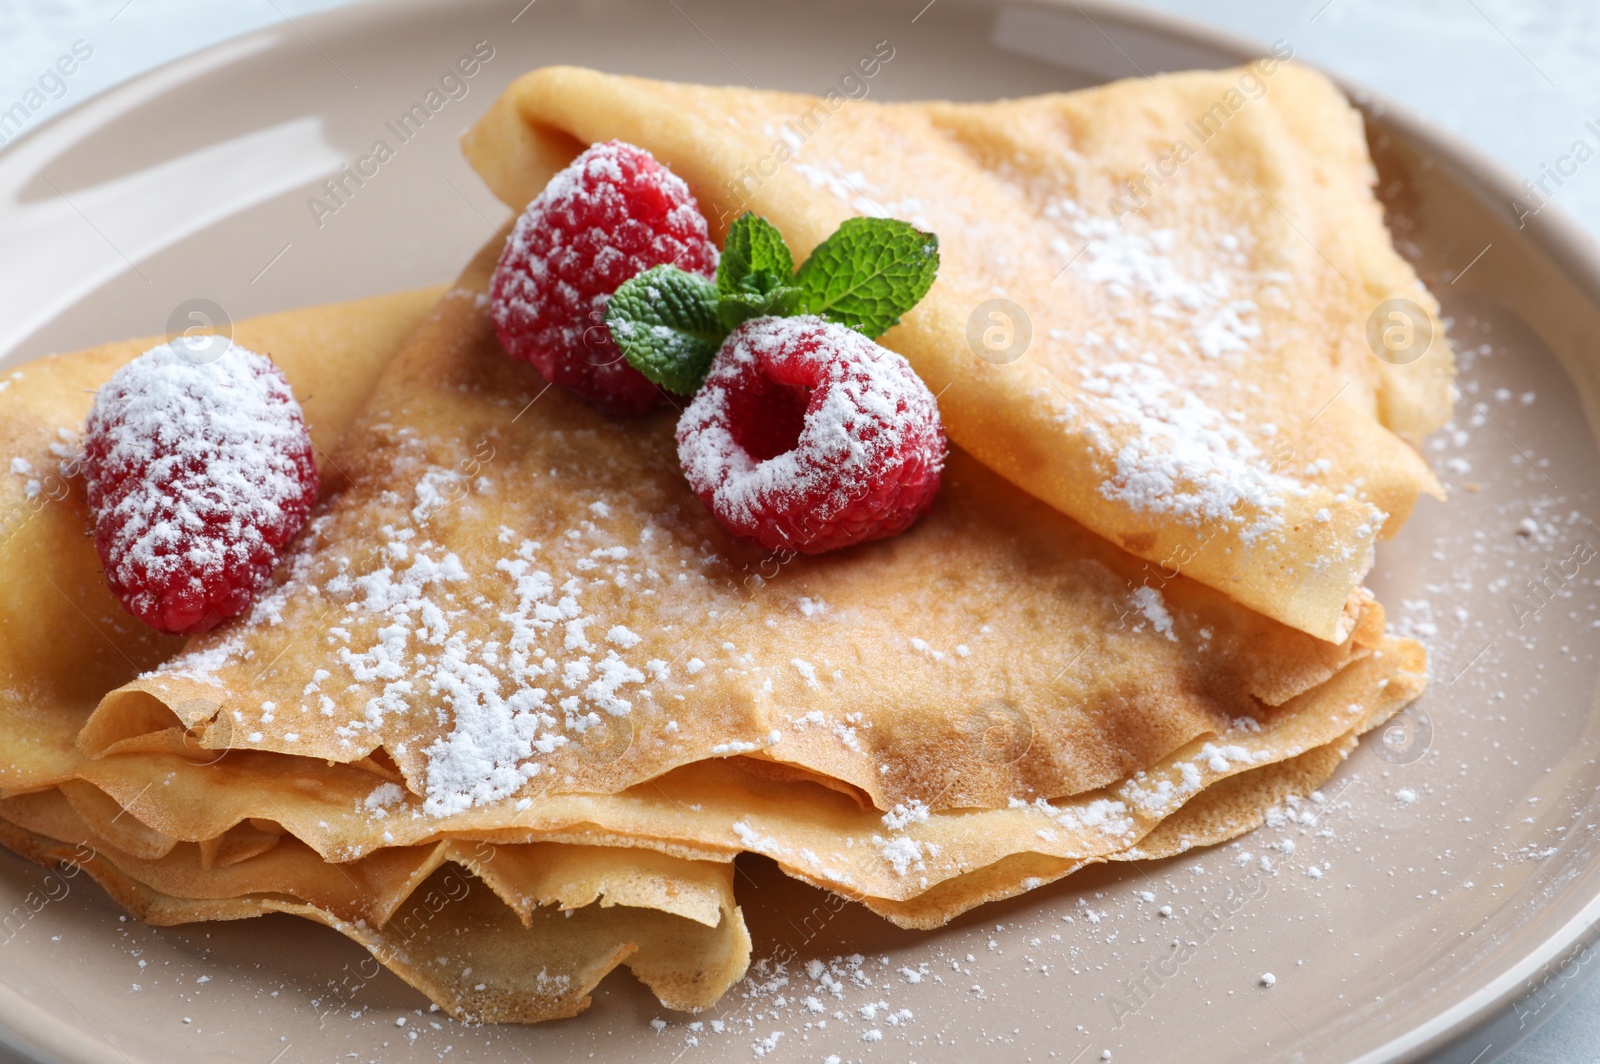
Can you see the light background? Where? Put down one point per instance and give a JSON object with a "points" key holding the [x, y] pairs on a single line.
{"points": [[1517, 78]]}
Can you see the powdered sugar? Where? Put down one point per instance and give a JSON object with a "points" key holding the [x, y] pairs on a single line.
{"points": [[32, 485], [1182, 457], [402, 598], [1133, 265], [853, 188], [1154, 607], [903, 854], [1110, 815], [499, 729], [383, 798]]}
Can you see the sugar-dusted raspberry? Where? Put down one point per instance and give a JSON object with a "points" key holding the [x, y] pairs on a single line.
{"points": [[615, 212], [198, 473], [808, 436]]}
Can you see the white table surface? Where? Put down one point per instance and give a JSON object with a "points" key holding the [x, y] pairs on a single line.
{"points": [[1518, 78]]}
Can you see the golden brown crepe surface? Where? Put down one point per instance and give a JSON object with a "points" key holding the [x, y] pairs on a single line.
{"points": [[916, 867], [513, 934]]}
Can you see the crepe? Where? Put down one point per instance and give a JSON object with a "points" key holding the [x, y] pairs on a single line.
{"points": [[231, 833], [1197, 256], [513, 934], [66, 642], [920, 780], [519, 596], [916, 867]]}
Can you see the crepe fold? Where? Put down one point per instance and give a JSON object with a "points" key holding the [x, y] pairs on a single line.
{"points": [[916, 867], [64, 640], [1154, 303], [495, 933]]}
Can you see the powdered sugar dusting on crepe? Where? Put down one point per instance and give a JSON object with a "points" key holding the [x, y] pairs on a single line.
{"points": [[509, 701], [1182, 456], [1128, 264], [862, 195]]}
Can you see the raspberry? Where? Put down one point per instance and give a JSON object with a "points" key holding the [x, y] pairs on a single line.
{"points": [[807, 436], [198, 473], [614, 213]]}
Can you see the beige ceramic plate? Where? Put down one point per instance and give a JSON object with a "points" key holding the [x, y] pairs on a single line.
{"points": [[1429, 890]]}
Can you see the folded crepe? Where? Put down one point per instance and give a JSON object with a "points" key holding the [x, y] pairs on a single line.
{"points": [[553, 920], [916, 867], [518, 596], [517, 624], [1197, 267]]}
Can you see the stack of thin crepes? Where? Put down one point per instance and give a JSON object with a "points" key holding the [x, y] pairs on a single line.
{"points": [[515, 701]]}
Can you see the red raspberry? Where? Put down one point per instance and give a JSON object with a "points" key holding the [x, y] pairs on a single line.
{"points": [[808, 436], [198, 473], [615, 212]]}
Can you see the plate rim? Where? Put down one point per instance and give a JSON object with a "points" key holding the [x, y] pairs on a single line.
{"points": [[27, 1028]]}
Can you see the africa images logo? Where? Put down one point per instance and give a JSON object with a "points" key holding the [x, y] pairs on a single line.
{"points": [[50, 85]]}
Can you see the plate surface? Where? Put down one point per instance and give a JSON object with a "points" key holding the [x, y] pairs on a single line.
{"points": [[1449, 870]]}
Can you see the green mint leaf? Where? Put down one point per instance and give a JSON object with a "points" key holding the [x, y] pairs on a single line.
{"points": [[754, 246], [666, 324], [740, 306], [755, 276], [868, 273]]}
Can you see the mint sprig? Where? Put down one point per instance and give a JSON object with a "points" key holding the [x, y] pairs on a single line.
{"points": [[666, 324], [669, 323]]}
